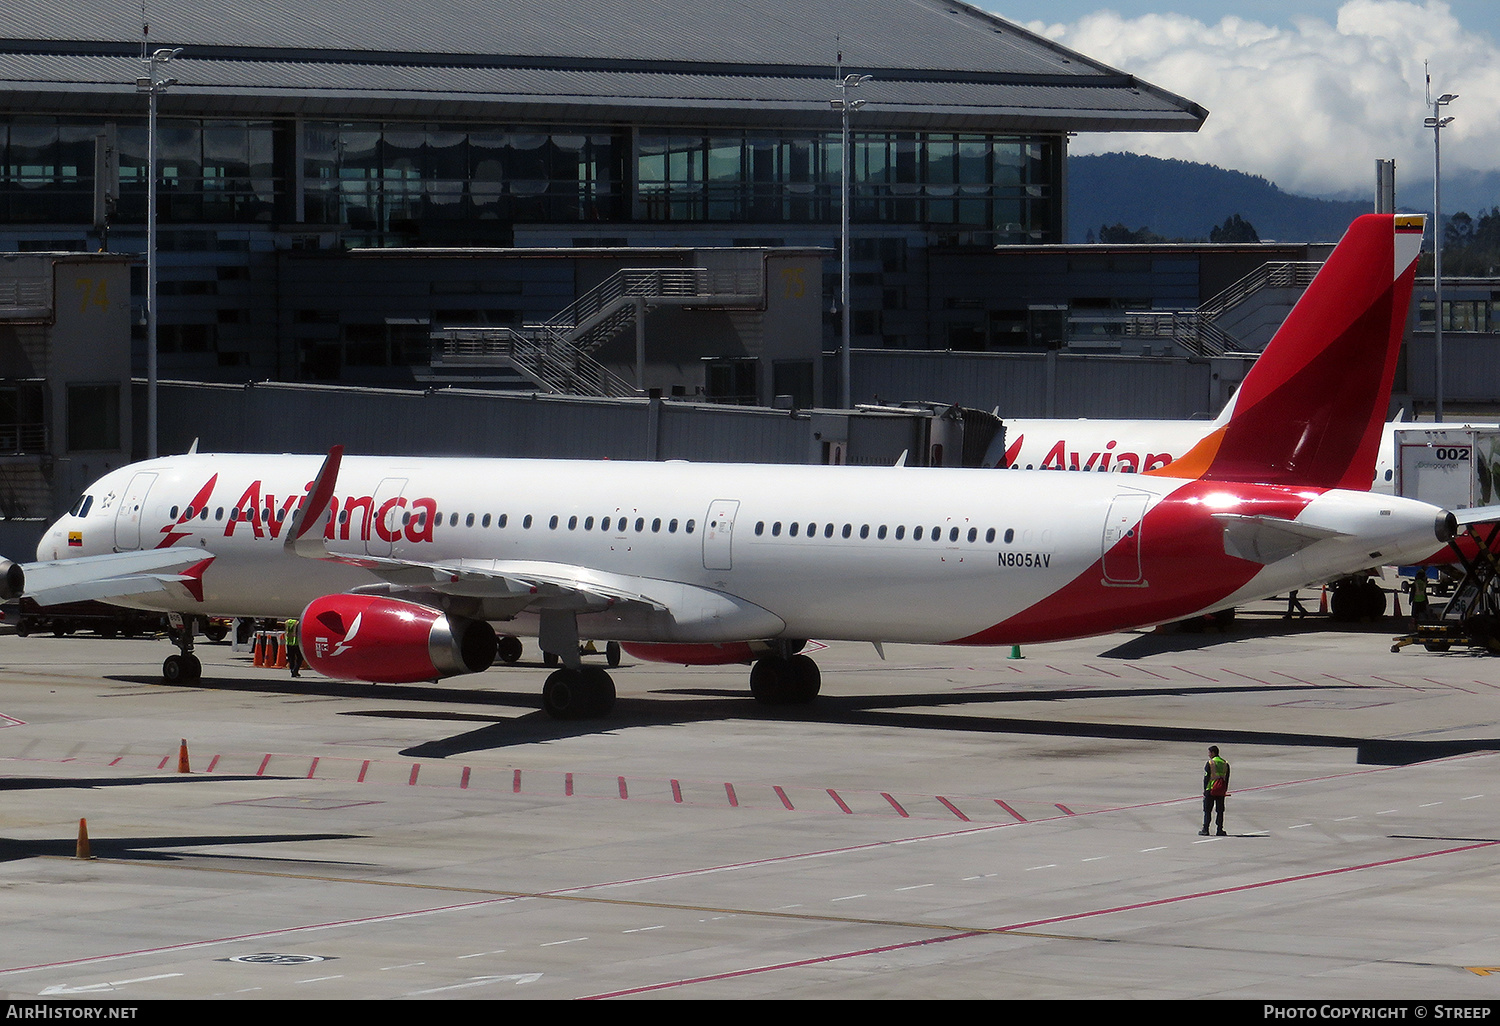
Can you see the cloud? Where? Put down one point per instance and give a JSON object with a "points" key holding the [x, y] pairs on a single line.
{"points": [[1309, 107]]}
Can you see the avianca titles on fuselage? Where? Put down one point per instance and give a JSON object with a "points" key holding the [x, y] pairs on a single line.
{"points": [[398, 566]]}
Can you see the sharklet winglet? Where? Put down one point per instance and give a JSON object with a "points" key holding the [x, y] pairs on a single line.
{"points": [[305, 537]]}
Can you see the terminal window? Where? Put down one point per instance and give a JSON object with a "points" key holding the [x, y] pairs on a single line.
{"points": [[93, 417]]}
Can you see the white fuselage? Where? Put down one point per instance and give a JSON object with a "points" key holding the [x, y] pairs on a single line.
{"points": [[731, 552]]}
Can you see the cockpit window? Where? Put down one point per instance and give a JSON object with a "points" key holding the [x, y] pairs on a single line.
{"points": [[82, 506]]}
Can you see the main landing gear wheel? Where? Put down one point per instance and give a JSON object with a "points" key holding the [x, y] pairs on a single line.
{"points": [[785, 680], [581, 694], [182, 669], [508, 648]]}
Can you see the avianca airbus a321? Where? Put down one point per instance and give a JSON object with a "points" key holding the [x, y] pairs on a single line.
{"points": [[398, 567]]}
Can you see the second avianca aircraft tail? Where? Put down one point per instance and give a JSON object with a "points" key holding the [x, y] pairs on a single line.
{"points": [[400, 567], [1312, 408]]}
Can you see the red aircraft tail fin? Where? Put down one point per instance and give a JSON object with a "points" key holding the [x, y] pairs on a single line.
{"points": [[1312, 408]]}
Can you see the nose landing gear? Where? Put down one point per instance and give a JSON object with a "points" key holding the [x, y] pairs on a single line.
{"points": [[184, 668]]}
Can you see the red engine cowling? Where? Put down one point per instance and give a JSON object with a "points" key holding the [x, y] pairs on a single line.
{"points": [[388, 641], [696, 655]]}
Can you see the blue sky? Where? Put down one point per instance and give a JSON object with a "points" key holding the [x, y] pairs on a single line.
{"points": [[1308, 93]]}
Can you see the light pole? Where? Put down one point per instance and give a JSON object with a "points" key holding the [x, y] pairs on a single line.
{"points": [[153, 83], [1437, 123], [844, 106]]}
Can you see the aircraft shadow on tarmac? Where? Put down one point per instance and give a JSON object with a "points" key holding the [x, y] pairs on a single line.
{"points": [[144, 848], [147, 849], [919, 710], [1247, 627]]}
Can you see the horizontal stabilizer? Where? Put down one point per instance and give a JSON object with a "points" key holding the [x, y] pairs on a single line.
{"points": [[1477, 515], [1266, 540]]}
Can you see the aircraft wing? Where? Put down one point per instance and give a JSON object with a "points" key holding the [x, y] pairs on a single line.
{"points": [[527, 585], [113, 575]]}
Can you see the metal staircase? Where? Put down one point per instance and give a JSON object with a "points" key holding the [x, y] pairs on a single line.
{"points": [[1196, 330], [556, 355]]}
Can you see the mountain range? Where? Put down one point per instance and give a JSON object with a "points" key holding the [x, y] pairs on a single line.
{"points": [[1183, 200]]}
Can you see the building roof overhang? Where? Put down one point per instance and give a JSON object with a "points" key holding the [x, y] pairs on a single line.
{"points": [[935, 65]]}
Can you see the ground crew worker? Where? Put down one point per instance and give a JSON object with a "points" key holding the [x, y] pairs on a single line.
{"points": [[293, 649], [1419, 596], [1215, 788]]}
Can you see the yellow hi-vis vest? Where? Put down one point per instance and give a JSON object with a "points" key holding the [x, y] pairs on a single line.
{"points": [[1218, 777]]}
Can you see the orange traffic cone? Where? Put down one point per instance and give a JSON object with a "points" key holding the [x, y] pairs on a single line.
{"points": [[1396, 597], [182, 758], [82, 851], [281, 651], [259, 648], [1323, 600]]}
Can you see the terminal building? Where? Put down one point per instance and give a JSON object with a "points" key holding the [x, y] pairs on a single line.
{"points": [[398, 196], [308, 129]]}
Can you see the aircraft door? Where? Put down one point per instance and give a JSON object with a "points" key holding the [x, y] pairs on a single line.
{"points": [[718, 534], [1121, 545], [386, 509], [128, 516]]}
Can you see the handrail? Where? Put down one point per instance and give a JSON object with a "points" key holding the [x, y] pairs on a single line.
{"points": [[561, 369], [653, 283], [1196, 330], [1278, 275], [555, 352]]}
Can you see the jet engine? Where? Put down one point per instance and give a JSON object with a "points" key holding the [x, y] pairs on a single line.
{"points": [[390, 641], [12, 580]]}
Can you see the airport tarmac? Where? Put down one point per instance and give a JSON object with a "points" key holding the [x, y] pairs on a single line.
{"points": [[943, 823]]}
